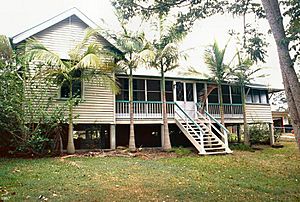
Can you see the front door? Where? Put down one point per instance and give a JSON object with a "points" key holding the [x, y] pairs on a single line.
{"points": [[185, 97]]}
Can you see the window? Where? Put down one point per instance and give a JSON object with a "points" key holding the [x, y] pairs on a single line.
{"points": [[248, 92], [153, 90], [124, 93], [76, 86], [179, 91], [213, 96], [225, 94], [189, 92], [200, 92], [255, 96], [169, 91], [138, 90], [236, 95], [263, 97]]}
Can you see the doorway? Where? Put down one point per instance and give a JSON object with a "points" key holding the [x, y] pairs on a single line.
{"points": [[185, 97]]}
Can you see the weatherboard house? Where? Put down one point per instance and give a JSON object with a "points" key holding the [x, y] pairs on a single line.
{"points": [[103, 117]]}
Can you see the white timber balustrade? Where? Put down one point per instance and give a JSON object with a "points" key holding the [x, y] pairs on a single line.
{"points": [[230, 110], [143, 109]]}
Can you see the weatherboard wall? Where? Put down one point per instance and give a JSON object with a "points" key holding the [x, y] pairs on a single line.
{"points": [[97, 105], [258, 113]]}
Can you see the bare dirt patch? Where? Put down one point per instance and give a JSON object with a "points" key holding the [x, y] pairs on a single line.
{"points": [[143, 154]]}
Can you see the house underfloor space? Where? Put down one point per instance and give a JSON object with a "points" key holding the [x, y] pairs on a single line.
{"points": [[146, 135], [89, 136], [149, 135], [178, 139]]}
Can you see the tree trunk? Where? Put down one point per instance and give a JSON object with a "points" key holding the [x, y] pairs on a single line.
{"points": [[70, 146], [246, 130], [167, 142], [290, 80], [131, 114], [207, 92], [58, 145], [239, 133], [221, 105]]}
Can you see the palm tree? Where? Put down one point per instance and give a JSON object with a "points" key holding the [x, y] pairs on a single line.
{"points": [[243, 73], [133, 47], [164, 55], [214, 59], [165, 58], [90, 58]]}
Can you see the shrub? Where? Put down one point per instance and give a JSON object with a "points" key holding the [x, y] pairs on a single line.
{"points": [[259, 133], [37, 144], [277, 134], [27, 121], [27, 117]]}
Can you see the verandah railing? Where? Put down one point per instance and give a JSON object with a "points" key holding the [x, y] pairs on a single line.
{"points": [[153, 109], [143, 109], [230, 110]]}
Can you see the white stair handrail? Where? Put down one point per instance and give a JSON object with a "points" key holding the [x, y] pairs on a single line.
{"points": [[214, 127], [225, 133], [187, 117]]}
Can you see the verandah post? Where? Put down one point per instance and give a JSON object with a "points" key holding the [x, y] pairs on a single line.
{"points": [[112, 136], [272, 139], [162, 134]]}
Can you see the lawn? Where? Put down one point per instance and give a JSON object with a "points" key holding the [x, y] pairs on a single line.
{"points": [[264, 175]]}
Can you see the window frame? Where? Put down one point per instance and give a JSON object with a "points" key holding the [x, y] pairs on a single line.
{"points": [[82, 85], [153, 91], [232, 94], [186, 92], [183, 91], [139, 90], [229, 95], [169, 91], [251, 94], [123, 89], [216, 95]]}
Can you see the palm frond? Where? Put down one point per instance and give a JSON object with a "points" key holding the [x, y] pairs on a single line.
{"points": [[244, 72], [6, 50], [35, 51], [75, 53], [214, 59], [87, 55]]}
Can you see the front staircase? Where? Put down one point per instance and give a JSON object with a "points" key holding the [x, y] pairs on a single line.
{"points": [[202, 133]]}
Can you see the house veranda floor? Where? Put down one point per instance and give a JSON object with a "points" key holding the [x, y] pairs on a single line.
{"points": [[264, 175]]}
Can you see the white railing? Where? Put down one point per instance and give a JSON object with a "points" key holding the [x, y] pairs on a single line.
{"points": [[143, 109], [222, 132], [230, 110], [190, 124]]}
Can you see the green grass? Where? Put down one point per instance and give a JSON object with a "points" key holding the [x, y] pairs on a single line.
{"points": [[181, 151], [264, 175], [241, 147]]}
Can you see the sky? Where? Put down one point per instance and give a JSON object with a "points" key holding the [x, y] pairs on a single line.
{"points": [[19, 15]]}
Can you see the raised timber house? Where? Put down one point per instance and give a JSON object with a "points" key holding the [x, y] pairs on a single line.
{"points": [[103, 117]]}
